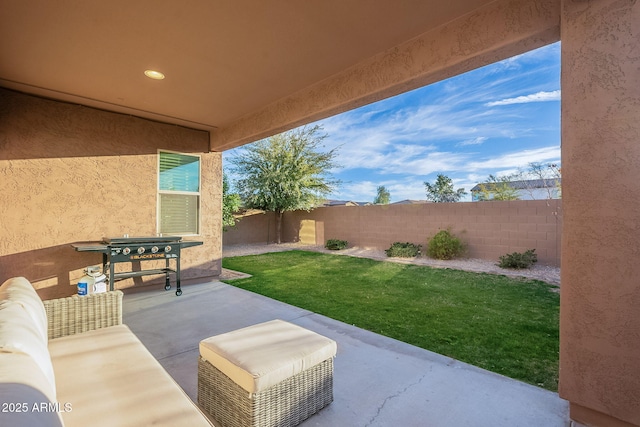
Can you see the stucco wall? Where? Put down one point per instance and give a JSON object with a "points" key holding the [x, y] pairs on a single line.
{"points": [[600, 298], [490, 229], [69, 173]]}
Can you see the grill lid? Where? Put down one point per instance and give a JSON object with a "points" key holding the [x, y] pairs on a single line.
{"points": [[142, 239]]}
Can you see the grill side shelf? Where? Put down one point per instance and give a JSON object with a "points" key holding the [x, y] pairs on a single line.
{"points": [[90, 247], [189, 243]]}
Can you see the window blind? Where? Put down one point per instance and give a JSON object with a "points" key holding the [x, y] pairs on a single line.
{"points": [[179, 187]]}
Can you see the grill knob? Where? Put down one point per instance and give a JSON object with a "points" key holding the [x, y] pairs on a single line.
{"points": [[126, 251], [154, 249], [167, 248], [140, 250]]}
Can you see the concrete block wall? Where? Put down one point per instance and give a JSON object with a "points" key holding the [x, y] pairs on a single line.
{"points": [[490, 229], [253, 227]]}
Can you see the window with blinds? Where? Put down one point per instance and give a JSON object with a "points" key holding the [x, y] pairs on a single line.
{"points": [[179, 193]]}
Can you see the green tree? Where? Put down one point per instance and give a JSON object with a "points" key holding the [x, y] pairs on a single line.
{"points": [[498, 189], [285, 172], [383, 197], [442, 190], [230, 204]]}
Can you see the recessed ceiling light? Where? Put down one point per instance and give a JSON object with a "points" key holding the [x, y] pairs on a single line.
{"points": [[152, 74]]}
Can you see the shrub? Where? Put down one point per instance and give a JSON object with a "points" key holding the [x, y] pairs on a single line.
{"points": [[444, 245], [403, 250], [336, 244], [519, 260]]}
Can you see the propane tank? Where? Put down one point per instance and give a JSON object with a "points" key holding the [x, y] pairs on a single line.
{"points": [[92, 282]]}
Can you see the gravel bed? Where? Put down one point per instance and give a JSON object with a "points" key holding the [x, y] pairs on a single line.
{"points": [[546, 273]]}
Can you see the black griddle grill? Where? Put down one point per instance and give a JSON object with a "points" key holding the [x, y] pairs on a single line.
{"points": [[131, 249]]}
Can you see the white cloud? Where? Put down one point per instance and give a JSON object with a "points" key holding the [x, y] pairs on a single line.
{"points": [[407, 189], [431, 163], [415, 140], [407, 159], [361, 191], [365, 191], [535, 97], [474, 141], [518, 159]]}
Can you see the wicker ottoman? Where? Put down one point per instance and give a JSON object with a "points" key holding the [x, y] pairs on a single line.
{"points": [[271, 374]]}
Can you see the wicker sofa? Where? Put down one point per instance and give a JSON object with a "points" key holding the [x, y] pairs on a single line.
{"points": [[71, 362]]}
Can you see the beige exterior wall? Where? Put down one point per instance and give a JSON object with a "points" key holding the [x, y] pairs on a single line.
{"points": [[600, 297], [69, 173], [490, 229]]}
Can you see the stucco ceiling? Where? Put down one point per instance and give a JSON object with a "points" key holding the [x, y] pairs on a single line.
{"points": [[223, 59]]}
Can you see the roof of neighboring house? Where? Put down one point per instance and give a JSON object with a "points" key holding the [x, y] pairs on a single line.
{"points": [[410, 202], [523, 184], [340, 203]]}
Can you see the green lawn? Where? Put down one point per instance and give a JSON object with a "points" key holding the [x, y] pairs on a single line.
{"points": [[505, 325]]}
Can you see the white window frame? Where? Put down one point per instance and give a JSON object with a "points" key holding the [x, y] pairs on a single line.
{"points": [[189, 193]]}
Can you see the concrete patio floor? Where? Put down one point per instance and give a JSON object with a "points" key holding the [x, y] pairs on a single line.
{"points": [[378, 381]]}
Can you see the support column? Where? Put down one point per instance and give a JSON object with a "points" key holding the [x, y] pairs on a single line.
{"points": [[600, 291]]}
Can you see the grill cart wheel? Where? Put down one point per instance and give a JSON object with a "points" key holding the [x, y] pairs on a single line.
{"points": [[167, 287], [179, 292]]}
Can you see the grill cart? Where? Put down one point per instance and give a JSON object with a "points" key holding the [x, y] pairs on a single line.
{"points": [[129, 249]]}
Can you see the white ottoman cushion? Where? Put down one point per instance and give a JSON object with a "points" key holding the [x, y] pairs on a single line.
{"points": [[260, 356]]}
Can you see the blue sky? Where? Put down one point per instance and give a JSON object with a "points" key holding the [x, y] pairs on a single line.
{"points": [[493, 120]]}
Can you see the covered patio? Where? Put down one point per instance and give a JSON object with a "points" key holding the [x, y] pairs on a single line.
{"points": [[378, 381], [82, 132]]}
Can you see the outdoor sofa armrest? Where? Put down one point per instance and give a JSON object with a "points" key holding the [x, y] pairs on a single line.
{"points": [[75, 314]]}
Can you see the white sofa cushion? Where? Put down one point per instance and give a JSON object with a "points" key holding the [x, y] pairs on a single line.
{"points": [[20, 290], [111, 379], [19, 334], [260, 356], [27, 393]]}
